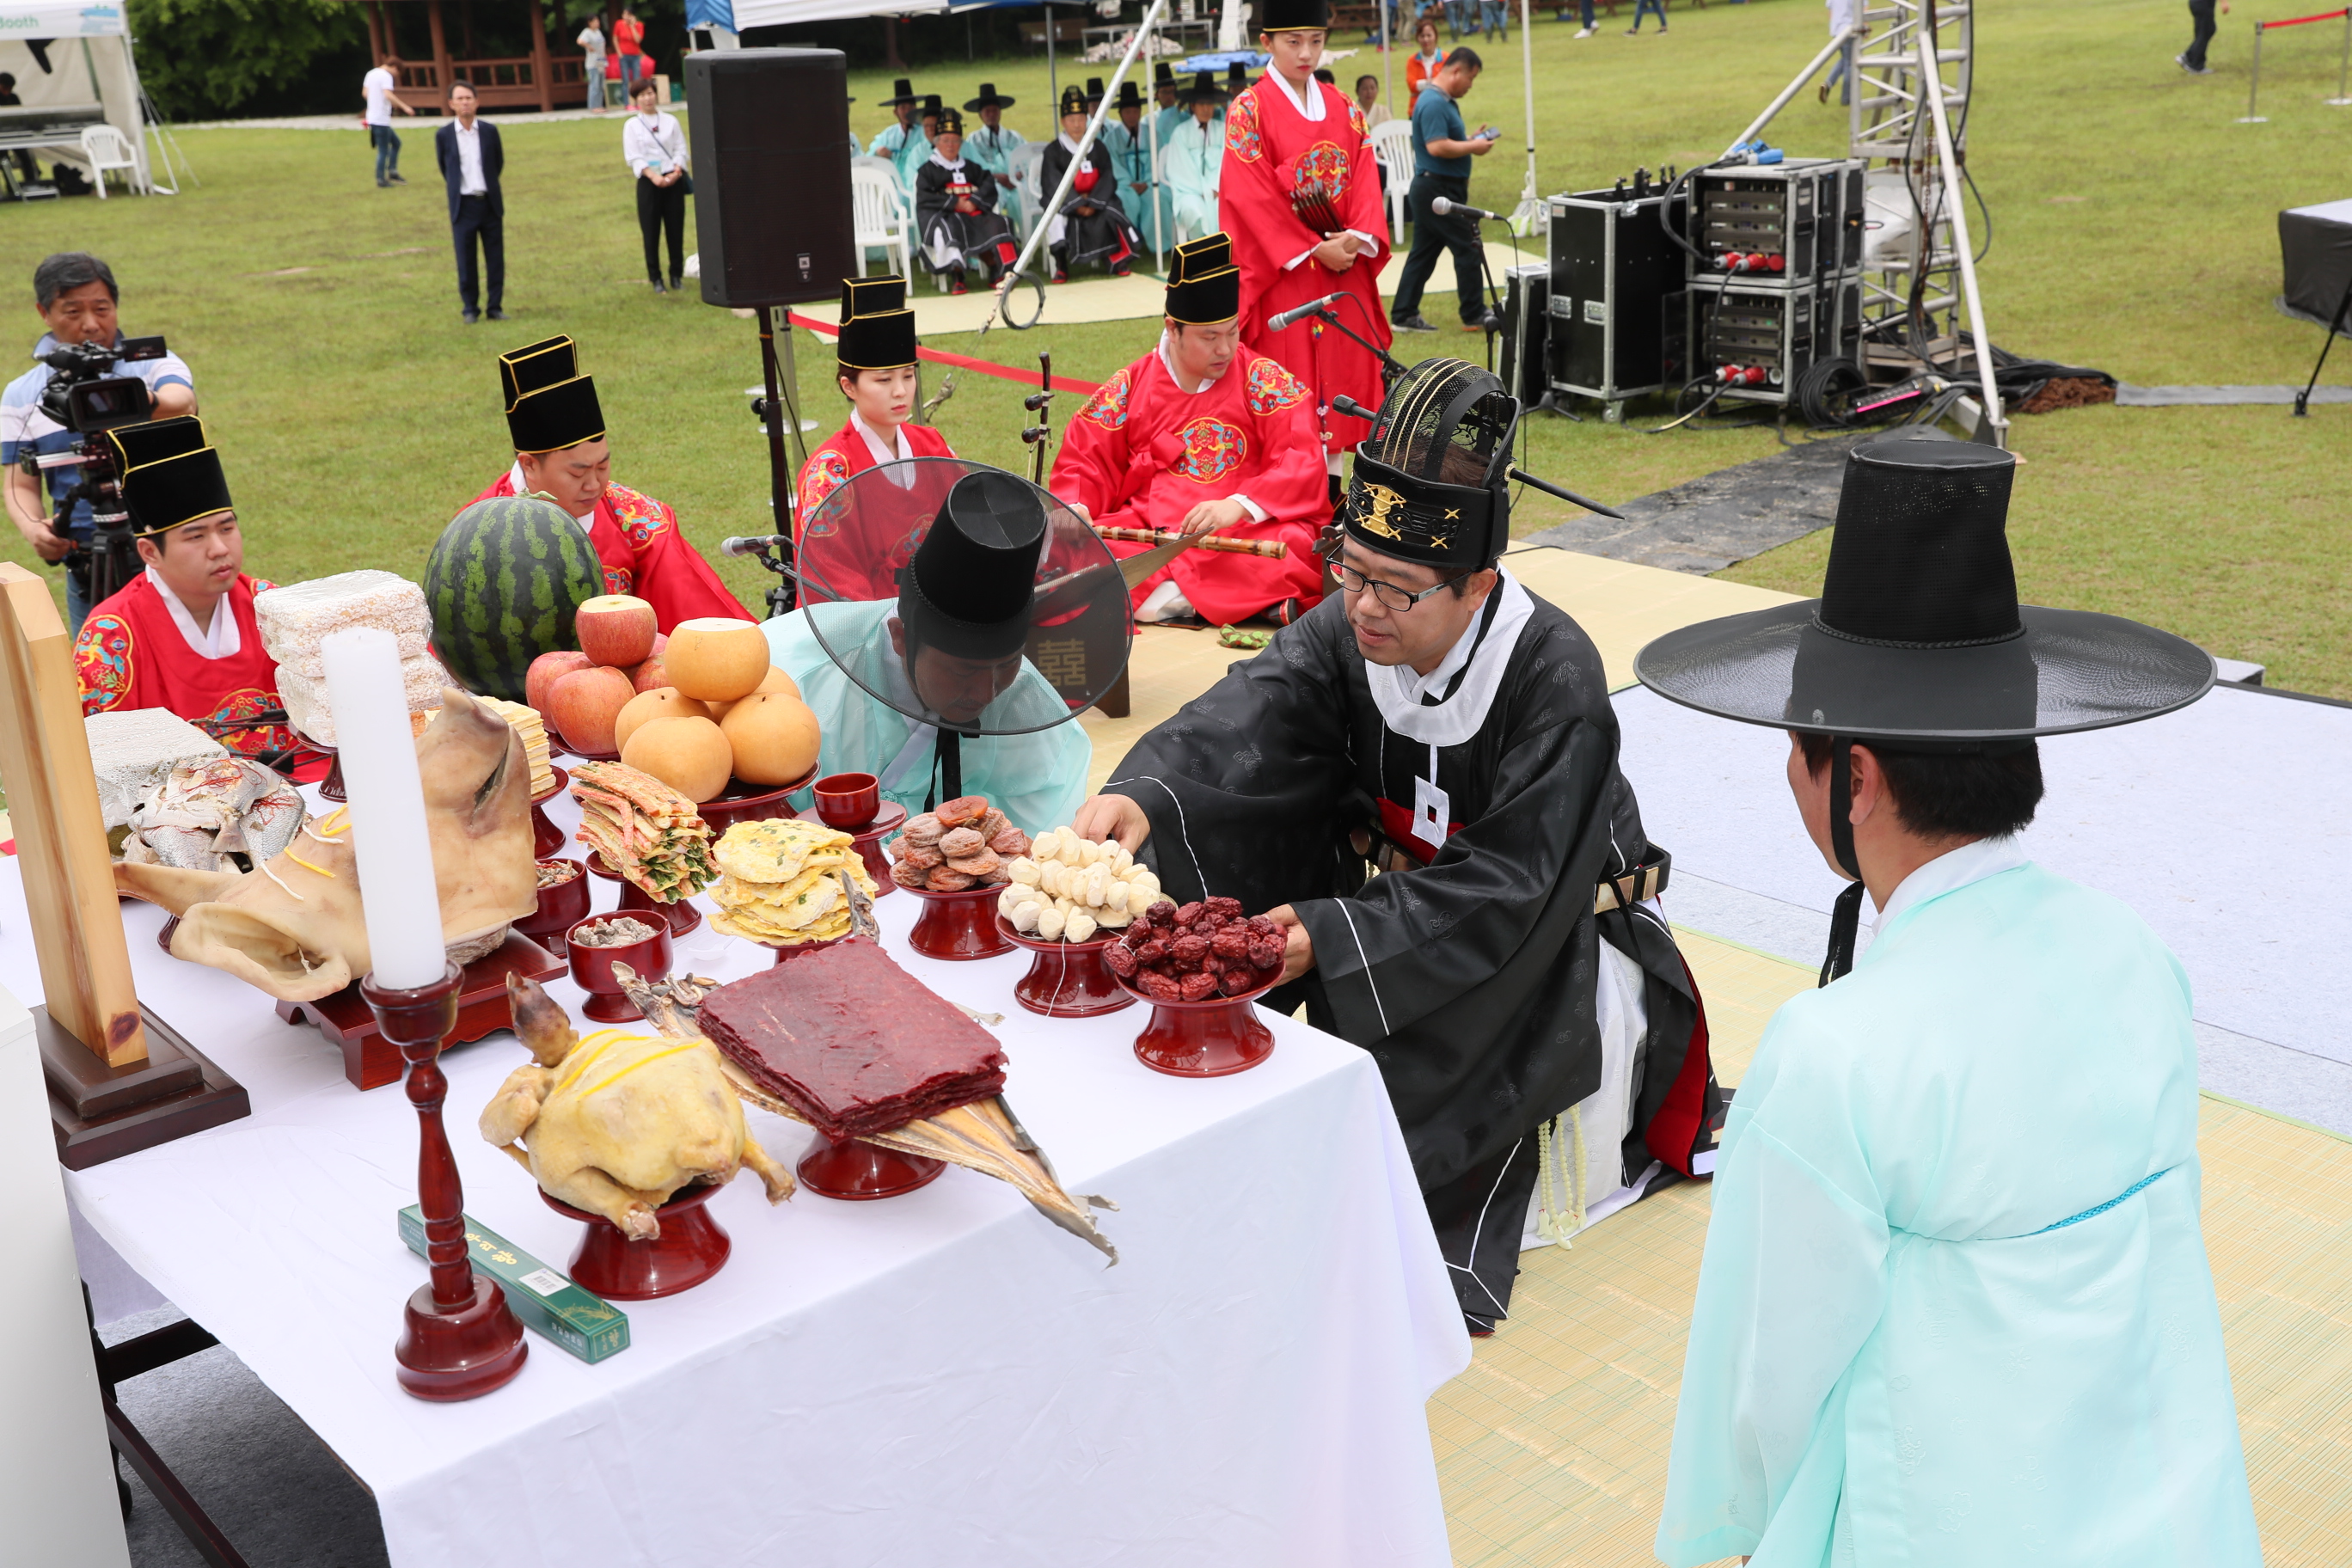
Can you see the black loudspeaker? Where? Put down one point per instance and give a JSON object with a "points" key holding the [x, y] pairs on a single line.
{"points": [[771, 151]]}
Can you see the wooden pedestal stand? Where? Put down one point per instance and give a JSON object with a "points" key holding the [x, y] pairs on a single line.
{"points": [[459, 1338], [120, 1079]]}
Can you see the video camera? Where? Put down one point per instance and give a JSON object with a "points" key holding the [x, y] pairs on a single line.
{"points": [[83, 398]]}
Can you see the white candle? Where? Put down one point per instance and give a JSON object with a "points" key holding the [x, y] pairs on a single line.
{"points": [[388, 841]]}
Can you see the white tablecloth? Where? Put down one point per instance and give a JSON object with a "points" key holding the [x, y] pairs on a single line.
{"points": [[939, 1378]]}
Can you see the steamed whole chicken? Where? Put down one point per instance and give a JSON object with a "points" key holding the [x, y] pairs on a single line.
{"points": [[616, 1123]]}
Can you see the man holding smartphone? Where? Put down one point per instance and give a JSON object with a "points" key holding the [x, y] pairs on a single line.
{"points": [[1442, 150]]}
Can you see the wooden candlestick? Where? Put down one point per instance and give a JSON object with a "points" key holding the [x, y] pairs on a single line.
{"points": [[459, 1338]]}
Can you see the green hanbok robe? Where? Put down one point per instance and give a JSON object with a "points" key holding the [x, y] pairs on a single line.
{"points": [[1955, 1311], [1036, 779]]}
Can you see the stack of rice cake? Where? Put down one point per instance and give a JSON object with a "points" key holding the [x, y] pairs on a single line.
{"points": [[295, 619], [781, 881], [526, 723], [853, 1042]]}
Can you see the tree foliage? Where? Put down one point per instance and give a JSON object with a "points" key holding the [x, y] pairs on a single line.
{"points": [[203, 58]]}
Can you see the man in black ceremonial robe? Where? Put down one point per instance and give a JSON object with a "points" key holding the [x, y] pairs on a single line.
{"points": [[956, 220], [1090, 226], [1419, 781]]}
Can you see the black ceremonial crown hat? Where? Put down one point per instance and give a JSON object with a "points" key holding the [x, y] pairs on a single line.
{"points": [[1294, 16], [1428, 484], [171, 474], [901, 91], [877, 325], [1074, 99], [988, 95], [1205, 287], [967, 588], [1917, 641], [550, 404], [951, 121]]}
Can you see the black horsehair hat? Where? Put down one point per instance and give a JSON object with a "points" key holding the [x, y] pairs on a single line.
{"points": [[988, 95], [1917, 641], [1430, 481], [1162, 75], [550, 404], [931, 107], [1294, 16], [901, 91], [877, 325], [967, 590], [1205, 287], [171, 474], [1074, 99], [1130, 96], [1204, 89]]}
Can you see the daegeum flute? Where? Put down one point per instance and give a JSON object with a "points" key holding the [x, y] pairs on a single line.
{"points": [[1273, 549]]}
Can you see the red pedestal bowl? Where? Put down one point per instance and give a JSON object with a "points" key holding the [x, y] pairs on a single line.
{"points": [[689, 1249], [680, 917], [1067, 979], [546, 838], [1204, 1039], [561, 905], [856, 1172], [956, 926], [591, 968]]}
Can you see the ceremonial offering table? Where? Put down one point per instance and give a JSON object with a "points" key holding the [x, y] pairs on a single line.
{"points": [[940, 1378]]}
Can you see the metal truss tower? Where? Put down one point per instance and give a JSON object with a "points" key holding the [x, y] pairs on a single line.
{"points": [[1913, 288]]}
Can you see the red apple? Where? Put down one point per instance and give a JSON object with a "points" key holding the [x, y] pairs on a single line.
{"points": [[615, 629], [540, 680], [584, 705], [649, 676]]}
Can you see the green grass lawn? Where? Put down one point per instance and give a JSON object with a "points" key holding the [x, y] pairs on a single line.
{"points": [[2133, 231]]}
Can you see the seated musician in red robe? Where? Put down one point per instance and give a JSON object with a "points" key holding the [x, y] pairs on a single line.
{"points": [[878, 375], [181, 635], [1301, 194], [1206, 435], [561, 453]]}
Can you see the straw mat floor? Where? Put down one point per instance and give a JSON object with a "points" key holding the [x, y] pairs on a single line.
{"points": [[1552, 1448]]}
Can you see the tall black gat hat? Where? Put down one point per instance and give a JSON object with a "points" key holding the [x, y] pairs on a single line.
{"points": [[171, 474], [1162, 75], [1074, 99], [1094, 91], [1236, 77], [1204, 89], [901, 91], [550, 404], [931, 107], [1294, 16], [1130, 96], [1205, 287], [988, 95], [877, 325], [1430, 481], [1917, 642], [981, 565]]}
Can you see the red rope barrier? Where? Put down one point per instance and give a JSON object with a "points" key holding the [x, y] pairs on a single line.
{"points": [[965, 361], [2299, 21]]}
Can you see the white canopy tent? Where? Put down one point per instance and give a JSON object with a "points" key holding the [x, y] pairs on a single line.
{"points": [[750, 13], [88, 49]]}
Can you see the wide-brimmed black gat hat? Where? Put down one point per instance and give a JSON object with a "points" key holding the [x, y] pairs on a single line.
{"points": [[1204, 89], [170, 473], [1917, 639], [1162, 75], [967, 588], [1205, 287], [1294, 16], [988, 96], [901, 91], [878, 326], [550, 404], [1429, 483]]}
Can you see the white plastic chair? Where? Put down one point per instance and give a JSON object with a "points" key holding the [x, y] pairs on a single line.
{"points": [[881, 220], [1392, 145], [107, 148], [1022, 164]]}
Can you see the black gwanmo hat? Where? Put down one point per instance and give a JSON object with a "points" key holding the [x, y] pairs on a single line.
{"points": [[169, 474], [877, 325], [1429, 482], [1205, 287], [550, 404], [1917, 642], [1294, 16]]}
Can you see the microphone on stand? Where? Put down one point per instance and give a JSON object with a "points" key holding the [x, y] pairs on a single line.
{"points": [[1444, 205], [1312, 307], [754, 545], [1343, 403]]}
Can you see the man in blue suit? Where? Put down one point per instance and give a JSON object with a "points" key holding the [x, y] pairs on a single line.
{"points": [[471, 157]]}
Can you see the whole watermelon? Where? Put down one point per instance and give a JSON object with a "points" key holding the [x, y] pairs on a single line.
{"points": [[504, 583]]}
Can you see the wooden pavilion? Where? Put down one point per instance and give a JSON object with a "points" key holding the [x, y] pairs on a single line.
{"points": [[539, 79]]}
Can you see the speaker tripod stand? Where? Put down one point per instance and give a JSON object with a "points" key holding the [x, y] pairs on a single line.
{"points": [[779, 373], [2335, 325]]}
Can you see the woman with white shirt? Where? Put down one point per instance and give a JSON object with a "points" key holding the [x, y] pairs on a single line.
{"points": [[878, 375], [655, 150]]}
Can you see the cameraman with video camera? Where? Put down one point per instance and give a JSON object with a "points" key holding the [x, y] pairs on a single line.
{"points": [[76, 295]]}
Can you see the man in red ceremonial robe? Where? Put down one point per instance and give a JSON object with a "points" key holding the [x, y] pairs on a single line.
{"points": [[560, 452], [877, 375], [1206, 435], [182, 635], [1300, 195]]}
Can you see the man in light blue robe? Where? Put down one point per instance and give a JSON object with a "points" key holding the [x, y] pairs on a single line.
{"points": [[1132, 158], [1955, 1309], [992, 145], [1167, 110], [892, 142], [1196, 159]]}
